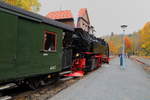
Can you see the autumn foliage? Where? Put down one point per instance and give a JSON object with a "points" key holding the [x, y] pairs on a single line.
{"points": [[112, 47], [145, 39], [128, 42], [137, 43], [30, 5]]}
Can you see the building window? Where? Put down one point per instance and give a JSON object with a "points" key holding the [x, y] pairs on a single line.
{"points": [[49, 41]]}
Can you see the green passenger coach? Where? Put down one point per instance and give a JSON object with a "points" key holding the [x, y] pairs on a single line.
{"points": [[30, 44]]}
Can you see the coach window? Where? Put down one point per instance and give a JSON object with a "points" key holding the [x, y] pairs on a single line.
{"points": [[50, 41]]}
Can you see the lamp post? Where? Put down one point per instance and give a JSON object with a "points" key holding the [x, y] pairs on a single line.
{"points": [[122, 56]]}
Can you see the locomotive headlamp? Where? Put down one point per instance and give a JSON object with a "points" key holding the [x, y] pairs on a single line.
{"points": [[77, 55]]}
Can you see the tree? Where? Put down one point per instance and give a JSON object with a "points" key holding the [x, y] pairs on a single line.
{"points": [[113, 48], [128, 44], [145, 39], [30, 5], [115, 43], [135, 41]]}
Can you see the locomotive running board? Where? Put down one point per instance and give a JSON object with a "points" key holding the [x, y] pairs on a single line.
{"points": [[75, 74], [65, 72]]}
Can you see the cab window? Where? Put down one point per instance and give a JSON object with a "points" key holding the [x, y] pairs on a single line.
{"points": [[50, 41]]}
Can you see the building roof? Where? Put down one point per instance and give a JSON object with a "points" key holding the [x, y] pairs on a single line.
{"points": [[65, 14], [82, 12], [32, 16]]}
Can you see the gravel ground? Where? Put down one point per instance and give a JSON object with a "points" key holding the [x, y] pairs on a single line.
{"points": [[45, 92], [110, 83]]}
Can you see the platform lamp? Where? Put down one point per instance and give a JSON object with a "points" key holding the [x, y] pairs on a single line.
{"points": [[122, 56]]}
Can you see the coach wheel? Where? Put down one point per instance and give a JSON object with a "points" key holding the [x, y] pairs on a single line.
{"points": [[34, 83]]}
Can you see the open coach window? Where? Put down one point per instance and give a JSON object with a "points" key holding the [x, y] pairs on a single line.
{"points": [[49, 41]]}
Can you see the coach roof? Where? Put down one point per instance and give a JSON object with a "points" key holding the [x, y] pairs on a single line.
{"points": [[32, 16]]}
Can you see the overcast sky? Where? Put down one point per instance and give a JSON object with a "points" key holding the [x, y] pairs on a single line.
{"points": [[105, 15]]}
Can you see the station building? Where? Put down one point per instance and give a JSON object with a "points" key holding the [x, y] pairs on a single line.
{"points": [[66, 16]]}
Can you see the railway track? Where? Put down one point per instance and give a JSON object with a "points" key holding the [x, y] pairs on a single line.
{"points": [[42, 93], [145, 65]]}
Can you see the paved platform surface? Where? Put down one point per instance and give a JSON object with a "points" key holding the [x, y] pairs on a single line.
{"points": [[111, 83]]}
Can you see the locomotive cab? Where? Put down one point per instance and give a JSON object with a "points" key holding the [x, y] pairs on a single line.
{"points": [[67, 50]]}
